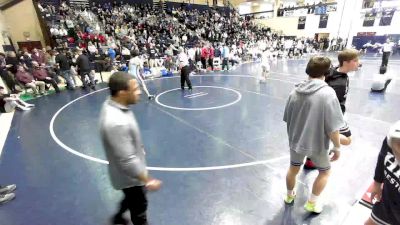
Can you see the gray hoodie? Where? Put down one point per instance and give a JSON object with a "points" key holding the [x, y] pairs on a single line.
{"points": [[312, 112]]}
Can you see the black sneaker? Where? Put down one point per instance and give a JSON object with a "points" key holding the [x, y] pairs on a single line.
{"points": [[119, 221], [7, 189]]}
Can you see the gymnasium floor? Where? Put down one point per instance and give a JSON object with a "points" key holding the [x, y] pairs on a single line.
{"points": [[221, 151]]}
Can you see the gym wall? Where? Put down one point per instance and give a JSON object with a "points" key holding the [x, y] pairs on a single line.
{"points": [[21, 18]]}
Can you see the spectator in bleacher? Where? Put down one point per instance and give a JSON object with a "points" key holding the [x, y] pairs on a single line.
{"points": [[152, 56], [9, 102], [50, 65], [40, 74], [91, 48], [211, 56], [26, 59], [205, 54], [126, 54], [38, 56], [6, 75], [112, 54], [28, 81], [225, 57], [12, 62]]}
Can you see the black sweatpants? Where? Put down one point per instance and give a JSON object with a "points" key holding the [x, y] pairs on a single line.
{"points": [[185, 71], [135, 201], [385, 58]]}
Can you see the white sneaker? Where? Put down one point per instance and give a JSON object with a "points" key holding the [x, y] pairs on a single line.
{"points": [[6, 198], [23, 108], [7, 189]]}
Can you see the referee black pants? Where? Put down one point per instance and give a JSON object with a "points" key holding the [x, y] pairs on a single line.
{"points": [[185, 71], [385, 58]]}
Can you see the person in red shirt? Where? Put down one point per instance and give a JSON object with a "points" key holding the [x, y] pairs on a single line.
{"points": [[102, 39], [40, 74], [204, 56], [211, 57], [27, 79], [38, 56]]}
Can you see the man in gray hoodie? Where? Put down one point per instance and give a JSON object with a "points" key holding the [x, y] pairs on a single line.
{"points": [[124, 149], [313, 117]]}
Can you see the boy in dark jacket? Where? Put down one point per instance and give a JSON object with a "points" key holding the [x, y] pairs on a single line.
{"points": [[339, 81]]}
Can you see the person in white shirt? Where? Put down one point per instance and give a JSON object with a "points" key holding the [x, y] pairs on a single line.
{"points": [[126, 54], [300, 47], [91, 48], [54, 31], [135, 68], [265, 56], [184, 39], [386, 50], [185, 69]]}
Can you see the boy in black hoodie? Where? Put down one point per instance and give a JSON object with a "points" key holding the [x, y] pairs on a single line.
{"points": [[339, 81]]}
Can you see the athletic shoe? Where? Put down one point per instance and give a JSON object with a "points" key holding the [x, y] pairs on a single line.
{"points": [[7, 189], [119, 220], [6, 198], [23, 108], [313, 207], [289, 199]]}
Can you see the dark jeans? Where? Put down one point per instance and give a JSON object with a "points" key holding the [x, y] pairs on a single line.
{"points": [[53, 83], [225, 63], [385, 58], [135, 201], [85, 82], [185, 77]]}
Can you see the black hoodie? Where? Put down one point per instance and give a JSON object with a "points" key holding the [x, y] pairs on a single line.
{"points": [[340, 83]]}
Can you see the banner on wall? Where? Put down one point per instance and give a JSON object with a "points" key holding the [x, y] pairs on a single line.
{"points": [[331, 8], [369, 19], [320, 9], [387, 15], [367, 4], [302, 23], [323, 21]]}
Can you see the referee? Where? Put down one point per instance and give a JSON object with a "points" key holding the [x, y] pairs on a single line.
{"points": [[185, 70]]}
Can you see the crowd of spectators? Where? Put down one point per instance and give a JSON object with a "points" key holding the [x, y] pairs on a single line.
{"points": [[111, 36]]}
